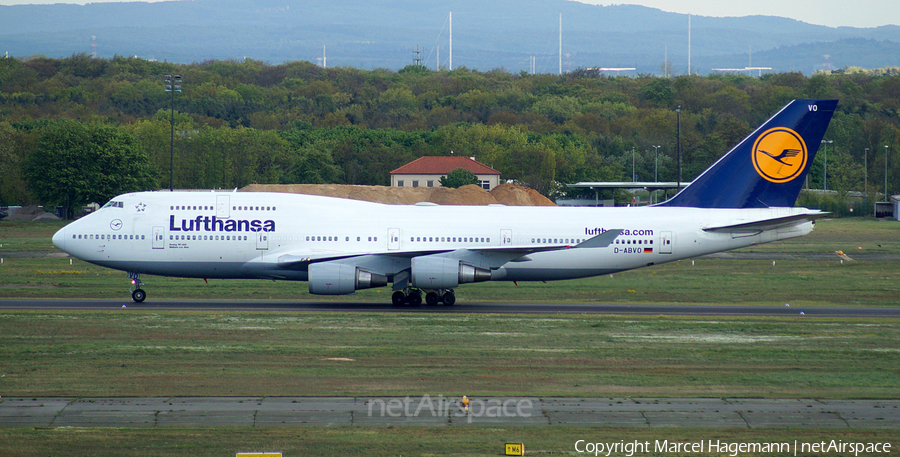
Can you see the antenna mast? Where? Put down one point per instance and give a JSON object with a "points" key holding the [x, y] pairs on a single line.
{"points": [[417, 59], [560, 43], [451, 41], [689, 44]]}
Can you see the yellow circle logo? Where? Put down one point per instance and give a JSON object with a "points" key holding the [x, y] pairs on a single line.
{"points": [[779, 155]]}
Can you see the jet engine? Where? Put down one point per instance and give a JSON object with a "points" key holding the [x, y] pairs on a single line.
{"points": [[329, 278], [430, 272]]}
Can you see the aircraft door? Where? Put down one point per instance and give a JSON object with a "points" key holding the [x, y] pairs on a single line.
{"points": [[505, 237], [393, 239], [159, 237], [223, 206], [262, 241], [666, 240]]}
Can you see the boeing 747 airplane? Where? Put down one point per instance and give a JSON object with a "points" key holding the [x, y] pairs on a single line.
{"points": [[340, 246]]}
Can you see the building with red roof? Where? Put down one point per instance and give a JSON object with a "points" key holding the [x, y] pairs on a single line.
{"points": [[427, 172]]}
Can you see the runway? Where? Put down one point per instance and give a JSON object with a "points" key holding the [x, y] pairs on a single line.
{"points": [[460, 307], [446, 411]]}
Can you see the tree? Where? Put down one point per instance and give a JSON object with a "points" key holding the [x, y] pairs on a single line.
{"points": [[74, 164], [458, 178], [12, 149]]}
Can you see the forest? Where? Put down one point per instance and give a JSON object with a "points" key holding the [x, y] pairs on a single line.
{"points": [[67, 123]]}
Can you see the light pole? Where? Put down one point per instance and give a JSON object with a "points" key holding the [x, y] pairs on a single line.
{"points": [[632, 164], [655, 168], [678, 118], [656, 164], [866, 172], [885, 174], [826, 143], [173, 84]]}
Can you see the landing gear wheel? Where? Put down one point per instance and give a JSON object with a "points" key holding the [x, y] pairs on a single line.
{"points": [[449, 298], [432, 298], [414, 299], [398, 298], [137, 294]]}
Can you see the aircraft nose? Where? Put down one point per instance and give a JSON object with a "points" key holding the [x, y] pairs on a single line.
{"points": [[59, 239]]}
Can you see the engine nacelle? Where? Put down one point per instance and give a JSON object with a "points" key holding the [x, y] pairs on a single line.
{"points": [[430, 272], [330, 278]]}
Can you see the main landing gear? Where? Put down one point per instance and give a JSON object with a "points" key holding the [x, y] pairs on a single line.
{"points": [[137, 294], [436, 297], [413, 297]]}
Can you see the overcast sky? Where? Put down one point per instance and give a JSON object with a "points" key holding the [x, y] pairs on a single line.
{"points": [[833, 13]]}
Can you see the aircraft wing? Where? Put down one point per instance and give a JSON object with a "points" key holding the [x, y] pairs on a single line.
{"points": [[485, 257], [767, 224]]}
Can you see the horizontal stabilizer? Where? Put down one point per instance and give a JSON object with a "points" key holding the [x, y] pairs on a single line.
{"points": [[767, 224]]}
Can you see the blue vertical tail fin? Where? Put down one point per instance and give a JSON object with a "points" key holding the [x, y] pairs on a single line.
{"points": [[766, 169]]}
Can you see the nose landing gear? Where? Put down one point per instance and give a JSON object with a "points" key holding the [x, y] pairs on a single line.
{"points": [[137, 294]]}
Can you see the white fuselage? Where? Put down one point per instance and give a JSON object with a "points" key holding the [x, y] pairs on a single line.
{"points": [[276, 235]]}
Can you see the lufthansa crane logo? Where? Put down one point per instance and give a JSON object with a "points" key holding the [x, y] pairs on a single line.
{"points": [[779, 155]]}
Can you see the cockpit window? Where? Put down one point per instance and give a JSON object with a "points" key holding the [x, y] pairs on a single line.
{"points": [[114, 204]]}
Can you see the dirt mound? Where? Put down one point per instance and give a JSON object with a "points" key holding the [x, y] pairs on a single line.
{"points": [[472, 194], [465, 195], [31, 213], [514, 195]]}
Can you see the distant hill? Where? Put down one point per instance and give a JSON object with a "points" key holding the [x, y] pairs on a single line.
{"points": [[486, 35]]}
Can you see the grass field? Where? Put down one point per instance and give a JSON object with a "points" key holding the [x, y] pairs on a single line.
{"points": [[143, 353], [139, 352]]}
